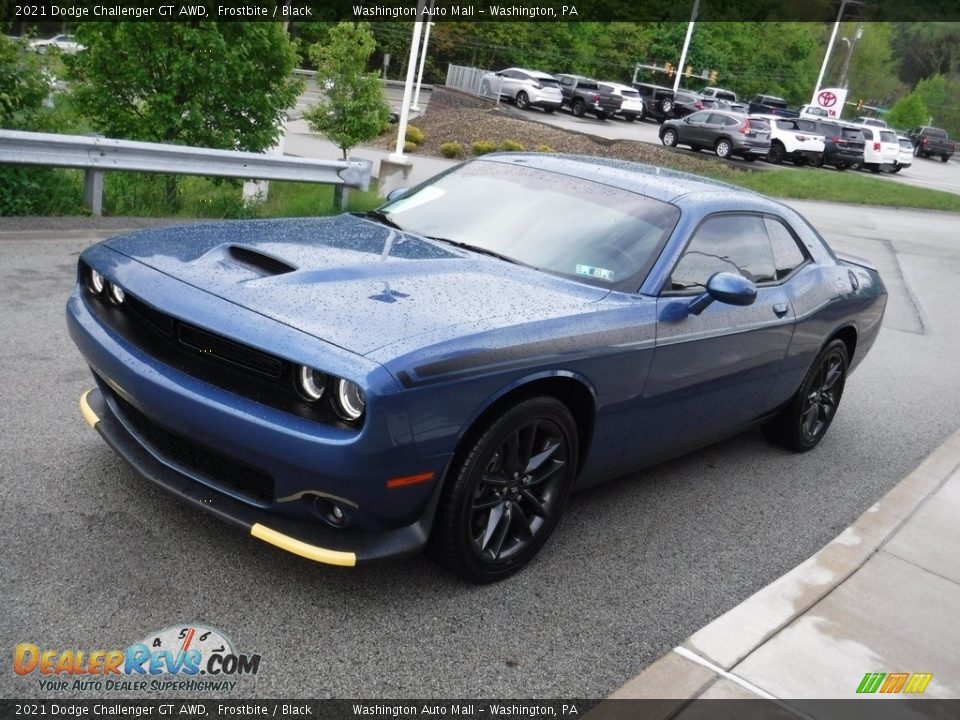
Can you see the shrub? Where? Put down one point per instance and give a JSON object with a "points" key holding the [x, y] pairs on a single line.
{"points": [[545, 149], [409, 147], [511, 146], [451, 150], [482, 147], [414, 135]]}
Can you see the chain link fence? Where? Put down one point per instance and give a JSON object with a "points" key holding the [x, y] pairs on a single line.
{"points": [[474, 81]]}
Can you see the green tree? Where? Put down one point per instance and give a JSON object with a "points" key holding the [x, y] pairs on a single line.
{"points": [[22, 85], [220, 85], [908, 112], [353, 109]]}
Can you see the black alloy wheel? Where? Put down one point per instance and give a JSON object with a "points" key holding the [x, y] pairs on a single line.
{"points": [[776, 153], [802, 425], [523, 102], [579, 109], [504, 498]]}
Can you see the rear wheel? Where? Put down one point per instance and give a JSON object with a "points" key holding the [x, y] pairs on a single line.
{"points": [[944, 158], [669, 137], [505, 495], [579, 108], [776, 153], [723, 148], [804, 422]]}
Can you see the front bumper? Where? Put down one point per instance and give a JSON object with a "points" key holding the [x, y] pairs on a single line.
{"points": [[311, 540]]}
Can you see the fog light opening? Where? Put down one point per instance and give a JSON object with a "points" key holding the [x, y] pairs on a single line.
{"points": [[331, 512]]}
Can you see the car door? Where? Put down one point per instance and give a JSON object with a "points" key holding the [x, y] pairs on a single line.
{"points": [[510, 82], [713, 372], [692, 129]]}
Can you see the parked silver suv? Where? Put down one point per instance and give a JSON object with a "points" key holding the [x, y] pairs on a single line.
{"points": [[527, 88]]}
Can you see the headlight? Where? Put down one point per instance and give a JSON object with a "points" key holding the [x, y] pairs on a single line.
{"points": [[94, 281], [350, 401], [311, 383], [116, 294]]}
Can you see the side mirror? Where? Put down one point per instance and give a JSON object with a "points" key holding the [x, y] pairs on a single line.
{"points": [[726, 287], [397, 194]]}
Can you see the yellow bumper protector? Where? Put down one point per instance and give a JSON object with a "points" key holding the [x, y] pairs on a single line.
{"points": [[297, 547], [88, 414]]}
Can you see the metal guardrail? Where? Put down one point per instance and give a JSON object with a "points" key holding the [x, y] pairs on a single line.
{"points": [[97, 155], [474, 81]]}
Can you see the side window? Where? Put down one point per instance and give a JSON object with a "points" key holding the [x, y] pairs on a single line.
{"points": [[725, 243], [787, 255]]}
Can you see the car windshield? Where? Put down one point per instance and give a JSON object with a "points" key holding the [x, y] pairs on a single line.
{"points": [[723, 95], [583, 230]]}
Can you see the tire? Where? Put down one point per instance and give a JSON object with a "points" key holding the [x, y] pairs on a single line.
{"points": [[897, 169], [629, 118], [874, 168], [523, 102], [804, 422], [776, 153], [643, 113], [799, 161], [723, 148], [669, 137], [506, 491], [749, 158], [840, 166], [695, 148], [666, 107], [578, 109], [944, 158]]}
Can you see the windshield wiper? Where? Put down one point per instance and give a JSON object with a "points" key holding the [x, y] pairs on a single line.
{"points": [[382, 218], [475, 248]]}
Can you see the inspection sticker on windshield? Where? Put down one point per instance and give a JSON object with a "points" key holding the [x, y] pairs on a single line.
{"points": [[595, 272]]}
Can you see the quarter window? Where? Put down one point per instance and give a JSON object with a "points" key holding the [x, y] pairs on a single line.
{"points": [[726, 243], [787, 255]]}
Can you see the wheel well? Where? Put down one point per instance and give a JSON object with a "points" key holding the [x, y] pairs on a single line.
{"points": [[570, 392], [849, 337]]}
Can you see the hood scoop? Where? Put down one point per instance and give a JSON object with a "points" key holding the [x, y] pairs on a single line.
{"points": [[265, 265]]}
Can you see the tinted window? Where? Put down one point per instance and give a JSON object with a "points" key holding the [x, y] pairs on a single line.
{"points": [[699, 117], [807, 125], [587, 84], [722, 95], [565, 80], [935, 132], [852, 134], [717, 119], [725, 243], [906, 144], [761, 125], [548, 82], [887, 136], [787, 255], [630, 93], [829, 129], [587, 231]]}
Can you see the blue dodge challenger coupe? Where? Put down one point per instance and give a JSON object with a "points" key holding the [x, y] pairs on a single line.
{"points": [[442, 372]]}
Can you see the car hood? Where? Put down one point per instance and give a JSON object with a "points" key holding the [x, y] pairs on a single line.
{"points": [[353, 282]]}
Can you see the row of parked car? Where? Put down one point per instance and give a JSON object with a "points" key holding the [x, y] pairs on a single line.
{"points": [[714, 118]]}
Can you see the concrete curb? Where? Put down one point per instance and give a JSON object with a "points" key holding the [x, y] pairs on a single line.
{"points": [[700, 666]]}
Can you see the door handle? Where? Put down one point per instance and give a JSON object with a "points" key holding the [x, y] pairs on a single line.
{"points": [[780, 309]]}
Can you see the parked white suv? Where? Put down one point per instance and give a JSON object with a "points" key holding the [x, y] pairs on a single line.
{"points": [[527, 88], [789, 142], [906, 153], [881, 149], [632, 106]]}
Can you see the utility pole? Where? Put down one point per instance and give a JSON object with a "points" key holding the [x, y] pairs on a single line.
{"points": [[686, 44], [397, 156]]}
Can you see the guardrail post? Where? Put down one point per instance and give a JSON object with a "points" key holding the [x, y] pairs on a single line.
{"points": [[93, 190]]}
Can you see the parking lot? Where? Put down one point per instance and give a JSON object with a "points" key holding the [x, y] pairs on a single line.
{"points": [[97, 558]]}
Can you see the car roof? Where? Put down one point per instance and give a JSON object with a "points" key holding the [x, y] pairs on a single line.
{"points": [[616, 85], [534, 73], [659, 183]]}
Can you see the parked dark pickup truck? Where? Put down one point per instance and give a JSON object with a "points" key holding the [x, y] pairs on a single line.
{"points": [[929, 141], [771, 105], [583, 95]]}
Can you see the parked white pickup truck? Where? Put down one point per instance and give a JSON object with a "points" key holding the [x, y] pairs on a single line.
{"points": [[788, 142]]}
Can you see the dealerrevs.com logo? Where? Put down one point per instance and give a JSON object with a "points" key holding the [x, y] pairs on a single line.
{"points": [[180, 658]]}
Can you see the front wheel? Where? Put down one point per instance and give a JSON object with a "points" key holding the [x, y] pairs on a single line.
{"points": [[804, 422], [723, 148], [506, 491], [776, 153], [523, 102], [579, 109], [944, 158], [669, 137]]}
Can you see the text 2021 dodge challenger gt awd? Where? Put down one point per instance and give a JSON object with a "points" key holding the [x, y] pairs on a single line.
{"points": [[441, 373]]}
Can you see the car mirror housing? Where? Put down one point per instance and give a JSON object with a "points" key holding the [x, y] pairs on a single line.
{"points": [[397, 194], [726, 287]]}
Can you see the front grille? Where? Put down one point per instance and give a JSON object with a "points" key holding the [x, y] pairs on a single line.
{"points": [[218, 468]]}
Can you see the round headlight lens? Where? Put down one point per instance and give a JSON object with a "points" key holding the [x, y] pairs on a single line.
{"points": [[311, 383], [94, 282], [350, 400], [116, 294]]}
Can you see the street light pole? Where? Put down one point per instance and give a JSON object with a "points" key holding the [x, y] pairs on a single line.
{"points": [[846, 61], [397, 155], [833, 36], [423, 61]]}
